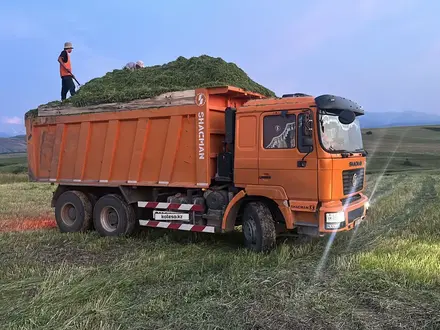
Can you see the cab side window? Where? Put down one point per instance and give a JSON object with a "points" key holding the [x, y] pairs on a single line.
{"points": [[279, 131], [303, 146]]}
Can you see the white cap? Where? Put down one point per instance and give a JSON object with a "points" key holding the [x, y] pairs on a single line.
{"points": [[140, 63]]}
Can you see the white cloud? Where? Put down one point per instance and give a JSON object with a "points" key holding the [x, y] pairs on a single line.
{"points": [[12, 120]]}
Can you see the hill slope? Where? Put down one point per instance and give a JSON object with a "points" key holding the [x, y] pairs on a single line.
{"points": [[15, 144], [401, 118]]}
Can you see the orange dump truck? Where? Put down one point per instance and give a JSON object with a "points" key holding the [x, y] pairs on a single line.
{"points": [[204, 160]]}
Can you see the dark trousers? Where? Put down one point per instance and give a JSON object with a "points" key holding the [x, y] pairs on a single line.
{"points": [[67, 85]]}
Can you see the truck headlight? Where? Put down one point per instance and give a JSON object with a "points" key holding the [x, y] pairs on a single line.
{"points": [[334, 220]]}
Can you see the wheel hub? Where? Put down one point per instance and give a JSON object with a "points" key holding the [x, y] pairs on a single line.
{"points": [[68, 214], [109, 218], [72, 213], [250, 230]]}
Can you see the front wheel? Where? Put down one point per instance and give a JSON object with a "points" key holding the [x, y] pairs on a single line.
{"points": [[113, 216], [258, 227]]}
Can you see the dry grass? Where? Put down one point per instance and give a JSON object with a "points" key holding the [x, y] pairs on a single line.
{"points": [[13, 178], [23, 199], [384, 275]]}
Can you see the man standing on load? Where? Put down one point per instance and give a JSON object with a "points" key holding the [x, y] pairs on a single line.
{"points": [[67, 84]]}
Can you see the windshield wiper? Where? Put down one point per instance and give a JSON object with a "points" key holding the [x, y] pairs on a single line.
{"points": [[344, 153], [362, 150]]}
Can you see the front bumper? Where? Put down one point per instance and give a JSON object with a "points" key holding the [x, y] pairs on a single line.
{"points": [[336, 217]]}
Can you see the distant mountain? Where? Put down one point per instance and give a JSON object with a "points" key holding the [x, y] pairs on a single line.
{"points": [[13, 145], [402, 118], [5, 135]]}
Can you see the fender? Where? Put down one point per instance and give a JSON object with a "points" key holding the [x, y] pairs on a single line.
{"points": [[276, 194], [271, 192], [232, 211], [287, 214]]}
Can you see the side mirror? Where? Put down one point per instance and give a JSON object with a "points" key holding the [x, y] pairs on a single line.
{"points": [[307, 125], [307, 142], [346, 117]]}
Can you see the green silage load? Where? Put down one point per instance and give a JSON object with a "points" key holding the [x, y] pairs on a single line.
{"points": [[124, 85]]}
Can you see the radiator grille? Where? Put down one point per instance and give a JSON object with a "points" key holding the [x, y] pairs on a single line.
{"points": [[353, 180]]}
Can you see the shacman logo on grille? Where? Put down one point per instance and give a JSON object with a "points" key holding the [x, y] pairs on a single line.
{"points": [[354, 180]]}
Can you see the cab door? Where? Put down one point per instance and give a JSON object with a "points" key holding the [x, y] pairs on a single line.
{"points": [[283, 145]]}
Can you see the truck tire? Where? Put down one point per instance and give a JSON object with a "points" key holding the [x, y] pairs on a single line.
{"points": [[73, 212], [258, 227], [112, 216]]}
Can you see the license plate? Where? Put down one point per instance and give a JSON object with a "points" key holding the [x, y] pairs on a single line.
{"points": [[170, 216]]}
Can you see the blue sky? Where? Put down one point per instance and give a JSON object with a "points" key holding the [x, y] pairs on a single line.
{"points": [[383, 54]]}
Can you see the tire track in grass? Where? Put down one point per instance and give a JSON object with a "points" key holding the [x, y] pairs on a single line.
{"points": [[382, 295], [384, 188], [397, 202], [369, 235], [388, 216], [380, 215], [409, 250]]}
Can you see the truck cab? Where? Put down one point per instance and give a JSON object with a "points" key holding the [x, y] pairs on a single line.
{"points": [[305, 155]]}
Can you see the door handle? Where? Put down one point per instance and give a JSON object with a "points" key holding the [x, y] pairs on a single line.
{"points": [[266, 176]]}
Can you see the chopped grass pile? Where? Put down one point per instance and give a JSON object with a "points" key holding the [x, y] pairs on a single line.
{"points": [[196, 72]]}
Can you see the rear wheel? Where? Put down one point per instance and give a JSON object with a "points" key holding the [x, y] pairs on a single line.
{"points": [[73, 212], [112, 216], [258, 227]]}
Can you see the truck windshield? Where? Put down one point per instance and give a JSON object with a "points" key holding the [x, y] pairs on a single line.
{"points": [[337, 137]]}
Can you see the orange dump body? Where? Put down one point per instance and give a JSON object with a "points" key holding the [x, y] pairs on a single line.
{"points": [[169, 146]]}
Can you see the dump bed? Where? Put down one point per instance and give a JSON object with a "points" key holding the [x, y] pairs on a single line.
{"points": [[170, 140]]}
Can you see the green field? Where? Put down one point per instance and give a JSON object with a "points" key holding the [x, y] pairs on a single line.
{"points": [[405, 149], [11, 164], [384, 275]]}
